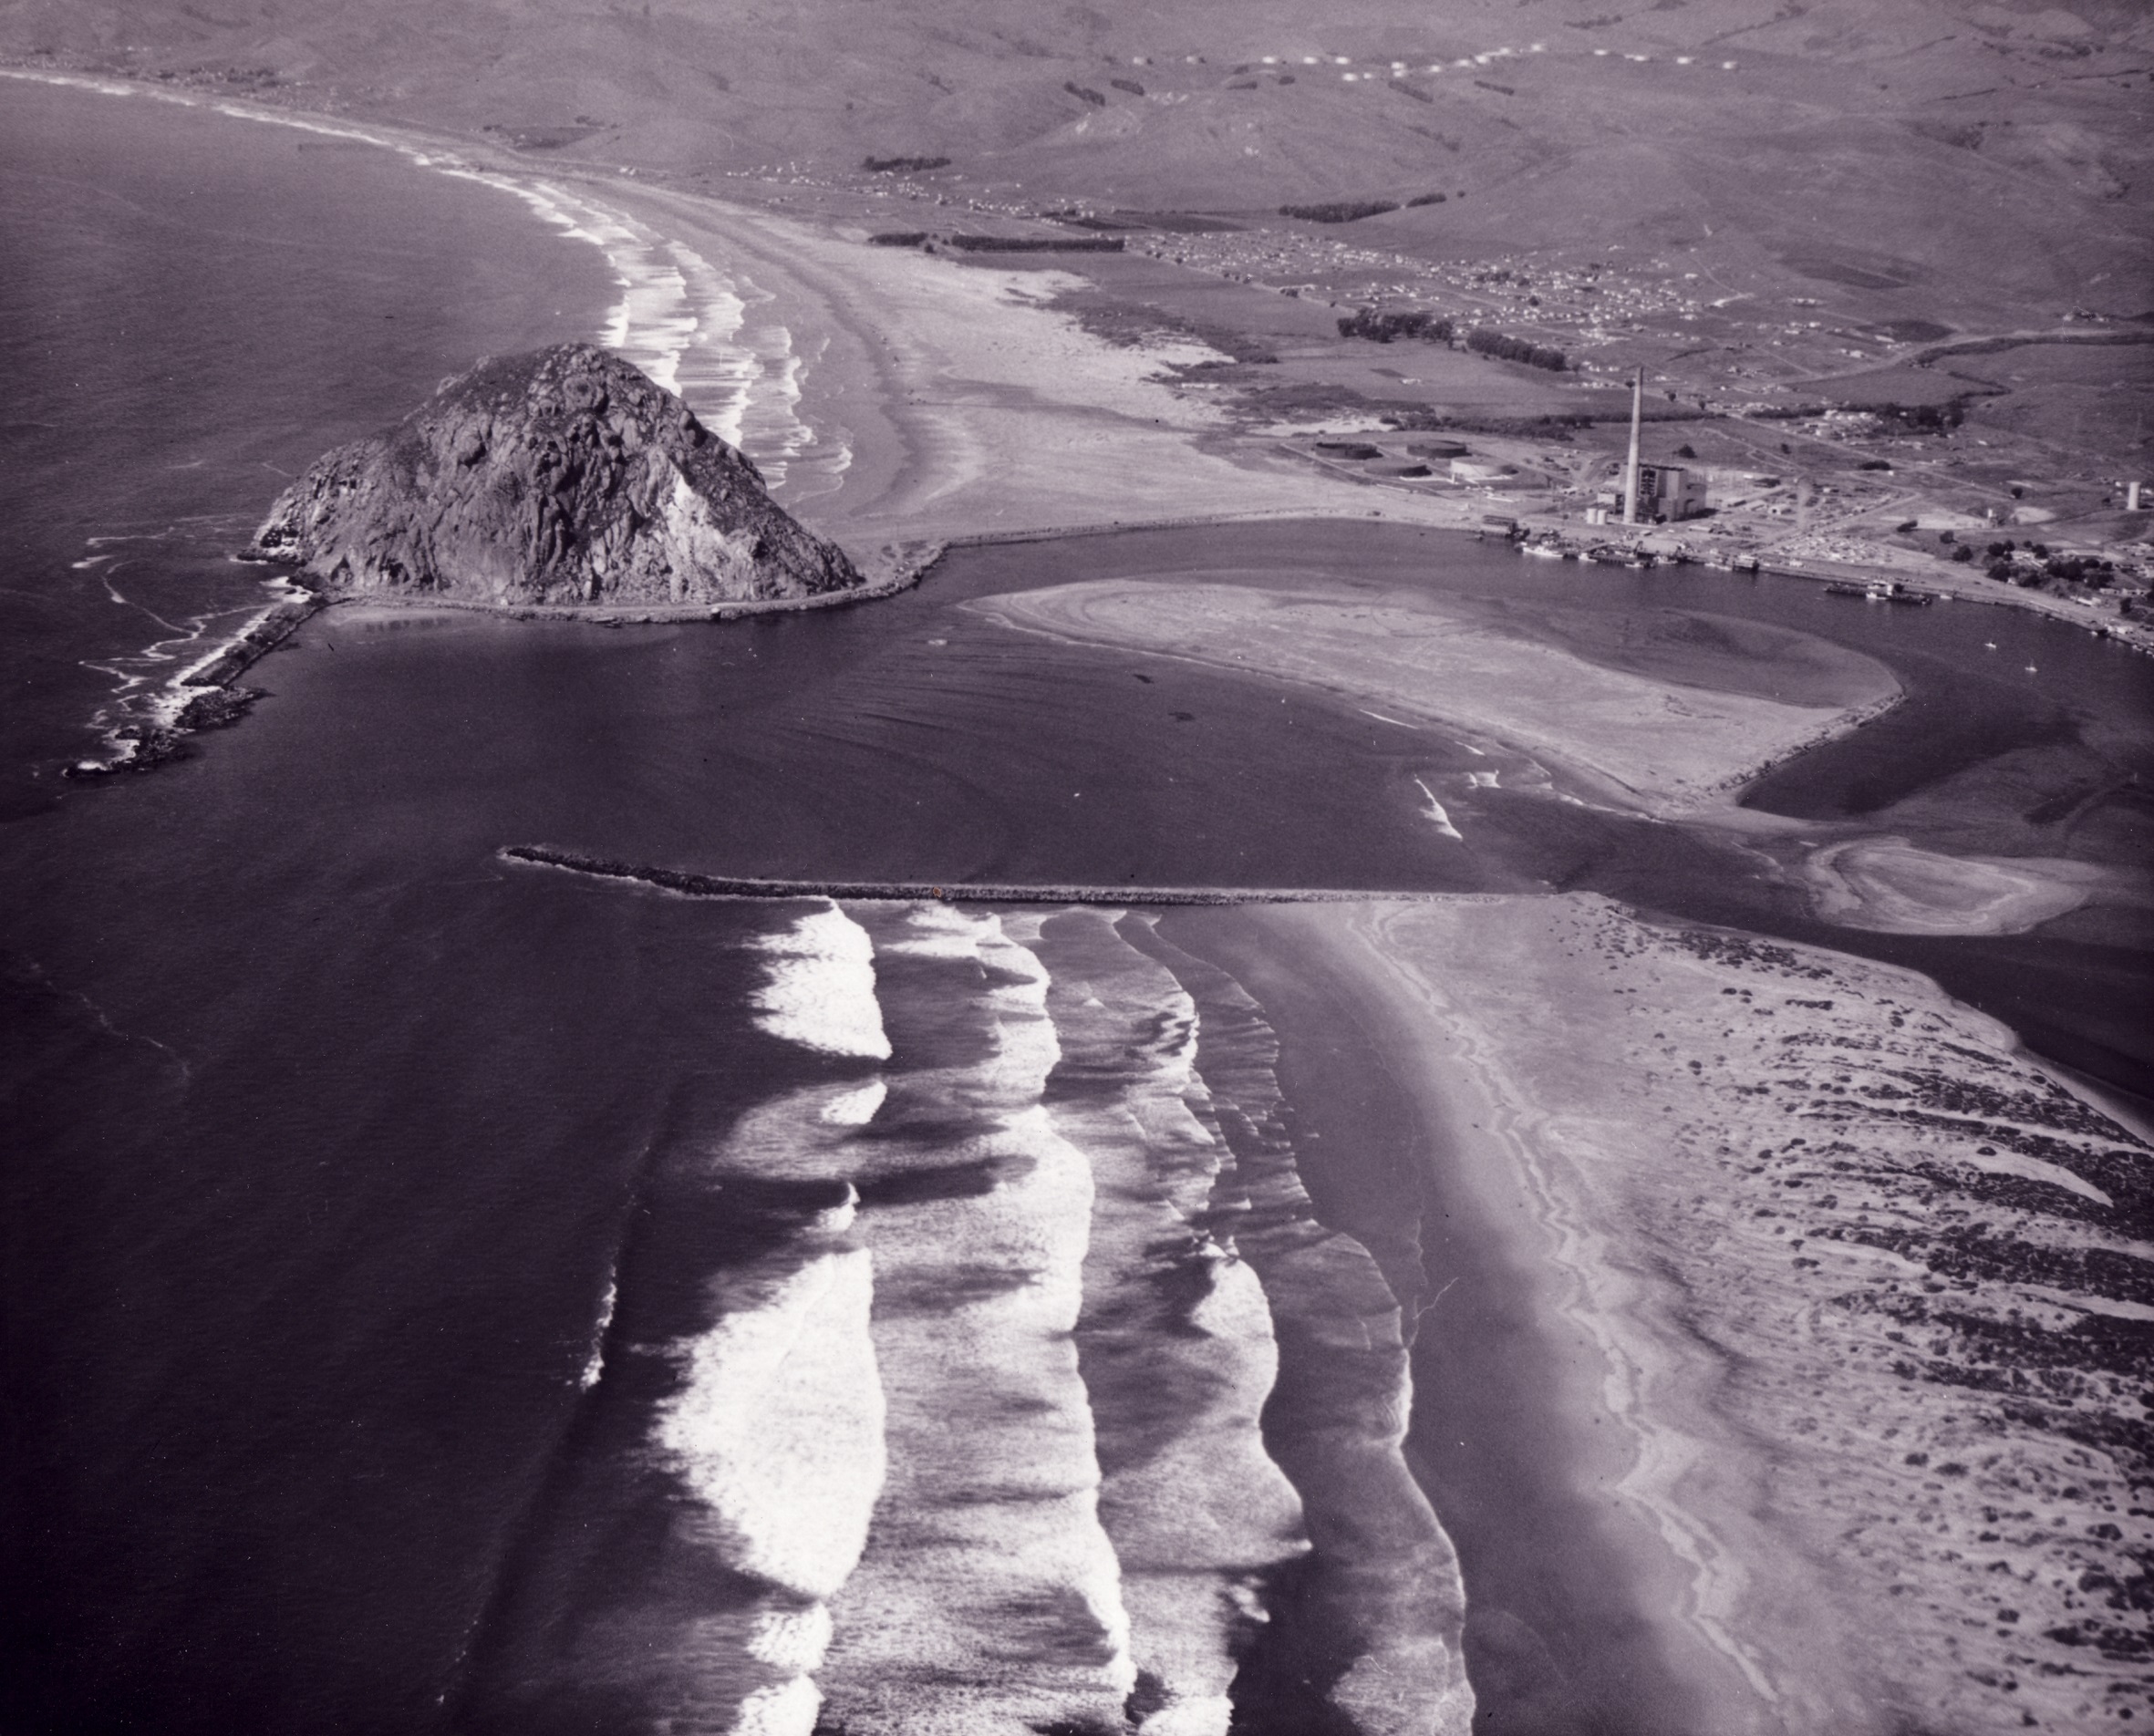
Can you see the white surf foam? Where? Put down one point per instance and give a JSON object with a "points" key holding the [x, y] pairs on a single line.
{"points": [[778, 1427], [1386, 1576], [856, 1107], [1435, 811], [1175, 1332], [989, 1598], [789, 1708], [820, 988]]}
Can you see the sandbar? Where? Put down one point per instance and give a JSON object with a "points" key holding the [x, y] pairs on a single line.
{"points": [[1646, 745], [1892, 886]]}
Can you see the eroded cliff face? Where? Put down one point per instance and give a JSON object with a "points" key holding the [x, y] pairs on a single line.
{"points": [[566, 476]]}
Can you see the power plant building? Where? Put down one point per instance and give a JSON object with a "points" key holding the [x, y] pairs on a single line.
{"points": [[1664, 491], [1668, 491]]}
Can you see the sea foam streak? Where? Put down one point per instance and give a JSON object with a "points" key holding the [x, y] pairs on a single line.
{"points": [[989, 1597], [1385, 1585], [1175, 1338], [820, 990]]}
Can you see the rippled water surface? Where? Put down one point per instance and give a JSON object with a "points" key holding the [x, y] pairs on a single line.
{"points": [[394, 1232]]}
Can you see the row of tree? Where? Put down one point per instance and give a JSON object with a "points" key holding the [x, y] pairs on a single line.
{"points": [[1384, 329], [1435, 328], [1339, 211], [1516, 349]]}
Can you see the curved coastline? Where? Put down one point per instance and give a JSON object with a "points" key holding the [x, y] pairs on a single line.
{"points": [[1702, 1279], [942, 451], [903, 384]]}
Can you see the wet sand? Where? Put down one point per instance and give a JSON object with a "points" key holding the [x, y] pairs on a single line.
{"points": [[1888, 884], [1845, 1399], [1649, 745]]}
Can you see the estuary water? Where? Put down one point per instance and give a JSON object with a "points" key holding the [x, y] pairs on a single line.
{"points": [[445, 1295]]}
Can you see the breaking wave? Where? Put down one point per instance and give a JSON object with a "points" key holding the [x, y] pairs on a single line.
{"points": [[820, 990], [1030, 1393], [700, 327]]}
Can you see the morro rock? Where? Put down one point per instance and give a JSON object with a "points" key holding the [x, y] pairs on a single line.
{"points": [[566, 476]]}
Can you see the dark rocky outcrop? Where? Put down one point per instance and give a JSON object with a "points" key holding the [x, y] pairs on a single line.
{"points": [[565, 476]]}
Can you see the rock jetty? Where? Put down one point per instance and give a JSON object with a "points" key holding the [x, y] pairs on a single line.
{"points": [[565, 476]]}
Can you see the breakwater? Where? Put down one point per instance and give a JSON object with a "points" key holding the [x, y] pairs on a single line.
{"points": [[695, 886]]}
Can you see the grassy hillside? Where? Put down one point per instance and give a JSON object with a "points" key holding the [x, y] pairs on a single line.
{"points": [[1833, 112], [1773, 187]]}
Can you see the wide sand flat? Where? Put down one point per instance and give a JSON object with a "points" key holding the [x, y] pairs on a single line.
{"points": [[1647, 744], [1863, 1283]]}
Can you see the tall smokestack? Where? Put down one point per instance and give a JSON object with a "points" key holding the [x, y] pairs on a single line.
{"points": [[1630, 469]]}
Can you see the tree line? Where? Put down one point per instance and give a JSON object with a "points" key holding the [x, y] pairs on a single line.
{"points": [[1435, 328]]}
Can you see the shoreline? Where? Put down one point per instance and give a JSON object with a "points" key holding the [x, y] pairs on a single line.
{"points": [[942, 446], [1526, 1365], [897, 374], [1815, 1561], [1559, 1585]]}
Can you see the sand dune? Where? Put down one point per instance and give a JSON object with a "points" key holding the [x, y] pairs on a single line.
{"points": [[1860, 1281]]}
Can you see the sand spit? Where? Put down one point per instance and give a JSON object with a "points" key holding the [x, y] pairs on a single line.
{"points": [[1872, 1293], [1644, 744]]}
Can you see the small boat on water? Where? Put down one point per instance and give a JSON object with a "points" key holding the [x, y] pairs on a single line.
{"points": [[1841, 587], [1545, 548], [1892, 591], [1745, 563]]}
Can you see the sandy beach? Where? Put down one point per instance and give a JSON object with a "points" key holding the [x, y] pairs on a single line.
{"points": [[972, 407], [1862, 1374]]}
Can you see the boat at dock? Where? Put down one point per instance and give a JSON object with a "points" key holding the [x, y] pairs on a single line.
{"points": [[1881, 590]]}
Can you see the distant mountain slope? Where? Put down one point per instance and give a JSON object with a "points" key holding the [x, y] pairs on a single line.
{"points": [[1972, 139]]}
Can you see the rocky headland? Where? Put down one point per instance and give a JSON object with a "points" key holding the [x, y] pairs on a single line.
{"points": [[565, 476]]}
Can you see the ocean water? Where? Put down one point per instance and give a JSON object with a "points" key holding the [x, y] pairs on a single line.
{"points": [[446, 1294]]}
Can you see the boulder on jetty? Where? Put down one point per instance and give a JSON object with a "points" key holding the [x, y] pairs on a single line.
{"points": [[562, 477]]}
